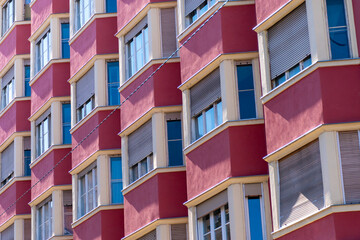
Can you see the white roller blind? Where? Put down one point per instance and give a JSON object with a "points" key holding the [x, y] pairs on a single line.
{"points": [[301, 186], [85, 88], [140, 143], [7, 161]]}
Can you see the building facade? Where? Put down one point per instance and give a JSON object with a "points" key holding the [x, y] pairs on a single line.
{"points": [[179, 119]]}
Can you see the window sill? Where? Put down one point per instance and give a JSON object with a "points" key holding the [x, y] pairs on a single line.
{"points": [[44, 154], [10, 104], [46, 67], [9, 30], [198, 142], [61, 237], [12, 182]]}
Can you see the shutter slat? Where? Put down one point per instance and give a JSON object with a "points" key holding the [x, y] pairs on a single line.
{"points": [[168, 31], [206, 92], [178, 232], [85, 88], [7, 77], [191, 5], [135, 30], [150, 236], [8, 233], [7, 161], [140, 143], [301, 187], [350, 163], [288, 41]]}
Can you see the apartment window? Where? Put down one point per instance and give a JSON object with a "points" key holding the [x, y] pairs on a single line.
{"points": [[44, 220], [168, 32], [194, 9], [246, 91], [116, 180], [66, 123], [43, 50], [338, 29], [7, 164], [113, 83], [140, 148], [43, 132], [111, 6], [289, 46], [8, 233], [206, 106], [8, 88], [174, 140], [67, 203], [27, 10], [301, 187], [8, 15], [350, 165], [65, 35], [85, 94], [87, 190], [27, 156], [255, 213], [137, 47], [84, 9], [27, 80]]}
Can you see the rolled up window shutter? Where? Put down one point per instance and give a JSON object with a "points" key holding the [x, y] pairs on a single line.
{"points": [[301, 186], [212, 204], [206, 92], [350, 163], [191, 5], [7, 161], [140, 143], [27, 143], [253, 189], [150, 236], [85, 88], [43, 116], [7, 77], [178, 232], [288, 41], [135, 30], [8, 233], [168, 31]]}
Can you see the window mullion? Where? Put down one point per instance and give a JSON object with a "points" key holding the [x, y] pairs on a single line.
{"points": [[223, 223], [212, 226]]}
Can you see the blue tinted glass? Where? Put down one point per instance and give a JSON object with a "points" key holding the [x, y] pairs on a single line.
{"points": [[210, 119], [193, 16], [336, 13], [279, 80], [66, 135], [175, 153], [199, 126], [219, 113], [339, 43], [247, 104], [256, 232], [113, 83], [294, 70], [203, 7], [66, 123], [111, 6], [245, 77], [27, 80], [307, 62], [116, 194], [66, 115], [27, 160], [174, 129], [116, 169], [65, 48]]}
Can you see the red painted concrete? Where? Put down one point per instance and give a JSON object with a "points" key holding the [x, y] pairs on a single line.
{"points": [[52, 83], [60, 175], [104, 225], [105, 137], [9, 196], [15, 120], [356, 7], [15, 43], [128, 9], [98, 38], [219, 36], [264, 8], [165, 194], [236, 151], [328, 95], [337, 226], [42, 9], [160, 90]]}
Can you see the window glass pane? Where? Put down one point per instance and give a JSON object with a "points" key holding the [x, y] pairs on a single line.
{"points": [[134, 172], [245, 77], [336, 13], [219, 113], [203, 7], [116, 168], [146, 46], [217, 218], [199, 122], [206, 224], [247, 104], [339, 43], [174, 130], [174, 143], [27, 160], [27, 80], [143, 167], [65, 48], [139, 48], [256, 231], [294, 70], [111, 6], [66, 121], [113, 83], [210, 119], [116, 195], [307, 62]]}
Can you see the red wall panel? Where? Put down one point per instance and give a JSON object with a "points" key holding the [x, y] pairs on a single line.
{"points": [[22, 36], [264, 8], [59, 176], [165, 194], [104, 225], [160, 90], [97, 38], [52, 83], [220, 35], [105, 137]]}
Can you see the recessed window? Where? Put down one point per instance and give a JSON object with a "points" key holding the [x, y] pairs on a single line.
{"points": [[116, 180], [194, 9], [27, 80], [7, 164], [66, 123], [208, 119], [85, 94], [246, 91], [84, 9], [174, 140], [27, 10], [43, 50], [43, 133], [44, 220], [8, 88], [27, 156], [8, 15], [216, 224], [68, 216], [113, 82], [87, 190], [65, 35]]}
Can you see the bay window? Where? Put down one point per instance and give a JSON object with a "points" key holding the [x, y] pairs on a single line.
{"points": [[66, 123], [27, 156], [67, 203], [27, 80], [84, 9], [43, 50], [44, 220], [8, 88], [65, 35], [113, 82], [43, 140], [85, 94], [7, 164], [174, 141], [116, 180], [8, 233], [87, 190], [246, 91], [8, 15]]}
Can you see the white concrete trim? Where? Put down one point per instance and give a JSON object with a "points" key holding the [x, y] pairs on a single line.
{"points": [[154, 33], [19, 156], [46, 106], [186, 117], [264, 62], [48, 151], [125, 161], [163, 232], [257, 85], [103, 173], [33, 222], [99, 6], [159, 140], [237, 211], [122, 60], [55, 38], [12, 27], [192, 223], [75, 192], [100, 82], [48, 192], [73, 103], [57, 213], [19, 10], [275, 193], [19, 233], [19, 76], [13, 181], [56, 125], [229, 88]]}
